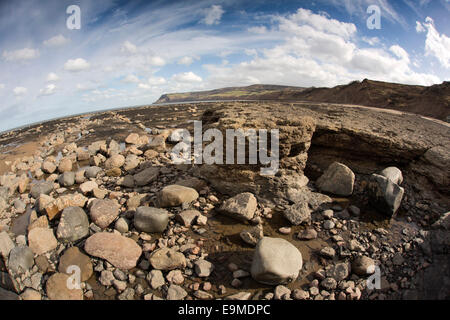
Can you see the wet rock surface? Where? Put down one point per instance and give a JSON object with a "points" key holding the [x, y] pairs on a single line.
{"points": [[216, 217]]}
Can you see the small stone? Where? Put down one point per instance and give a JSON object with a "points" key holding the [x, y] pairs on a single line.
{"points": [[282, 293], [167, 259], [299, 294], [30, 294], [65, 165], [103, 212], [328, 225], [67, 179], [88, 187], [363, 266], [156, 279], [298, 213], [241, 206], [175, 277], [252, 235], [121, 225], [307, 234], [394, 174], [203, 268], [175, 195], [285, 230], [6, 244], [187, 217], [176, 292], [328, 252]]}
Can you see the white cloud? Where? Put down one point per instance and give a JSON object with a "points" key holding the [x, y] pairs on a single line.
{"points": [[156, 61], [187, 77], [318, 51], [48, 90], [437, 45], [20, 91], [76, 65], [213, 15], [419, 27], [187, 61], [258, 30], [400, 52], [128, 48], [155, 81], [131, 79], [56, 41], [2, 86], [372, 41], [52, 77], [21, 54]]}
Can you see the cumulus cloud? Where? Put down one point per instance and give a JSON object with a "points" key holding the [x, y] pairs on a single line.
{"points": [[319, 51], [436, 44], [128, 48], [21, 54], [258, 30], [187, 61], [20, 91], [76, 65], [48, 90], [51, 77], [155, 81], [131, 79], [156, 61], [213, 15], [187, 77], [56, 41], [419, 27]]}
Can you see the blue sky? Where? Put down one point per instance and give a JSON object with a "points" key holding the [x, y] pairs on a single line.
{"points": [[128, 53]]}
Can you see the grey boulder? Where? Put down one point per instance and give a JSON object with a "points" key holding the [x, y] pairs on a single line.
{"points": [[73, 225], [338, 179], [149, 219], [384, 194]]}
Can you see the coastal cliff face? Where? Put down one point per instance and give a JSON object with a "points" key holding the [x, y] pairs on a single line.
{"points": [[432, 101], [356, 188]]}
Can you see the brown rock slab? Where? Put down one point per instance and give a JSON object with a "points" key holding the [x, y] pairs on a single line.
{"points": [[120, 251]]}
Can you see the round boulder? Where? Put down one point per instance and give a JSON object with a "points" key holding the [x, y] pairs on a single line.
{"points": [[276, 261]]}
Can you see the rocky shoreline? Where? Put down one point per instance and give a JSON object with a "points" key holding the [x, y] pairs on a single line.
{"points": [[357, 188]]}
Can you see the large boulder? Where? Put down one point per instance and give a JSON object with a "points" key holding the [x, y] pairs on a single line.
{"points": [[338, 179], [241, 206], [384, 194], [149, 219], [118, 250], [73, 225], [276, 261], [394, 174], [103, 212], [175, 195]]}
